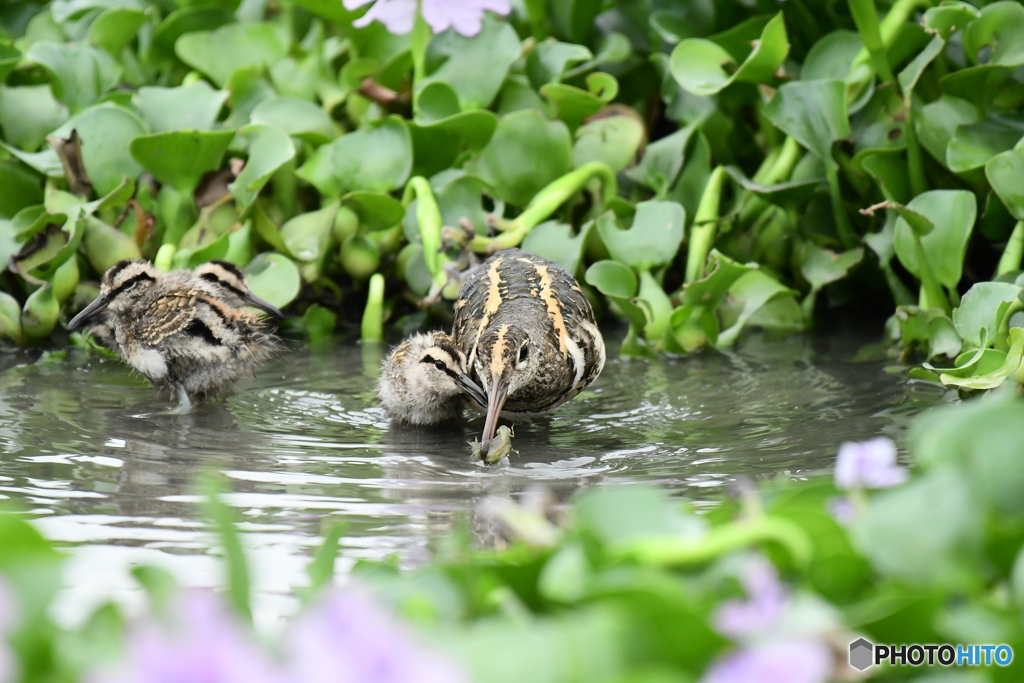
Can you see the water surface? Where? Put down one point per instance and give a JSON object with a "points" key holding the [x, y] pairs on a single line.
{"points": [[86, 448]]}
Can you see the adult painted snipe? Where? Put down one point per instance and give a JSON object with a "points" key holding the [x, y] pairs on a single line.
{"points": [[180, 329], [528, 334]]}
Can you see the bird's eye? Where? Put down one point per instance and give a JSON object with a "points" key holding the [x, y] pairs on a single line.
{"points": [[524, 353], [439, 364]]}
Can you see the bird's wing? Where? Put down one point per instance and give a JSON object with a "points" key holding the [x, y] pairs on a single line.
{"points": [[165, 317]]}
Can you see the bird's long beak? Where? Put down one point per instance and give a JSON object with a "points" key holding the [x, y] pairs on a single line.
{"points": [[495, 402], [97, 306], [259, 303], [471, 389]]}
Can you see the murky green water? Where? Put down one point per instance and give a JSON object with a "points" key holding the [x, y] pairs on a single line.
{"points": [[85, 448]]}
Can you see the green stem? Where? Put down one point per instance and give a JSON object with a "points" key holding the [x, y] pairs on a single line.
{"points": [[918, 182], [428, 217], [418, 42], [1013, 252], [546, 202], [372, 328], [846, 234], [900, 294], [702, 235], [866, 17], [931, 295], [782, 163]]}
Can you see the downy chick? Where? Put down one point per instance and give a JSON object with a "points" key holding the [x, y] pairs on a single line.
{"points": [[173, 329], [423, 380]]}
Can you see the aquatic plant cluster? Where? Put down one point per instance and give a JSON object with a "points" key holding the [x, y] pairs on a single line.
{"points": [[702, 167], [771, 586]]}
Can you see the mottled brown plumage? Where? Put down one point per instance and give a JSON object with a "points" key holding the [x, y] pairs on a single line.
{"points": [[528, 334], [176, 329]]}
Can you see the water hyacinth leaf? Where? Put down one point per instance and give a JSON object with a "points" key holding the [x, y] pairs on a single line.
{"points": [[80, 73], [936, 122], [220, 52], [651, 241], [791, 194], [812, 112], [19, 188], [376, 160], [749, 294], [1001, 28], [105, 245], [28, 114], [656, 305], [181, 158], [699, 65], [550, 59], [319, 324], [115, 27], [821, 267], [994, 378], [603, 86], [889, 171], [949, 17], [71, 234], [952, 212], [572, 104], [662, 161], [274, 278], [436, 101], [9, 57], [187, 20], [912, 73], [615, 140], [247, 88], [47, 242], [721, 273], [979, 85], [555, 242], [973, 144], [270, 148], [195, 106], [374, 210], [105, 131], [268, 232], [436, 145], [308, 235], [832, 56], [10, 319], [525, 154], [983, 308], [300, 118], [1004, 172], [945, 521], [475, 67], [619, 284]]}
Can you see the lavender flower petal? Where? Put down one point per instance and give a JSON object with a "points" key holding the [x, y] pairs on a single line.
{"points": [[795, 661], [396, 15], [868, 464], [763, 609], [465, 16]]}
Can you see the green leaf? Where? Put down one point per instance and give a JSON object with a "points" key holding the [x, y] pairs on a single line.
{"points": [[308, 235], [550, 59], [555, 242], [619, 284], [982, 308], [662, 161], [220, 52], [651, 241], [1004, 172], [115, 28], [195, 106], [222, 518], [375, 160], [475, 67], [973, 144], [749, 294], [791, 194], [274, 278], [572, 104], [18, 188], [9, 58], [104, 246], [698, 65], [181, 158], [28, 114], [296, 117], [935, 123], [270, 148], [722, 274], [993, 378], [525, 154], [952, 212], [319, 324], [79, 73], [812, 112], [187, 20], [1001, 28], [821, 267], [106, 131], [375, 211], [832, 56], [615, 140], [909, 77]]}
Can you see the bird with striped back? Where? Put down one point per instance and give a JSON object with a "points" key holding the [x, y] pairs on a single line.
{"points": [[529, 337], [185, 330]]}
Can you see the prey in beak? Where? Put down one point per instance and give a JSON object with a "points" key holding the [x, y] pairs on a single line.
{"points": [[503, 365], [496, 395]]}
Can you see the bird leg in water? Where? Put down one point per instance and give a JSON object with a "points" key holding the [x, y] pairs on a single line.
{"points": [[184, 406], [497, 448]]}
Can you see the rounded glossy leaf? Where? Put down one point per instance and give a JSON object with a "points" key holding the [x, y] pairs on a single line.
{"points": [[651, 241], [274, 278], [555, 242], [188, 20], [475, 67], [375, 160], [80, 73], [832, 56], [952, 212], [115, 28], [308, 235], [615, 140], [1005, 173], [28, 114], [376, 211], [813, 112], [973, 144], [296, 117], [188, 107], [269, 149], [1001, 28], [611, 278], [106, 132], [218, 53], [181, 158]]}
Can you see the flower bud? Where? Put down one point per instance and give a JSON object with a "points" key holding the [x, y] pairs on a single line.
{"points": [[359, 257], [346, 224]]}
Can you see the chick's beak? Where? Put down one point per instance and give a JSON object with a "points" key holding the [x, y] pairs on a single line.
{"points": [[471, 389], [97, 306], [495, 402], [259, 303]]}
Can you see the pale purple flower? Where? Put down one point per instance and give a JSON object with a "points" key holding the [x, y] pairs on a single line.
{"points": [[464, 16], [764, 606], [346, 638], [8, 619], [203, 643], [868, 464], [779, 661], [842, 510]]}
